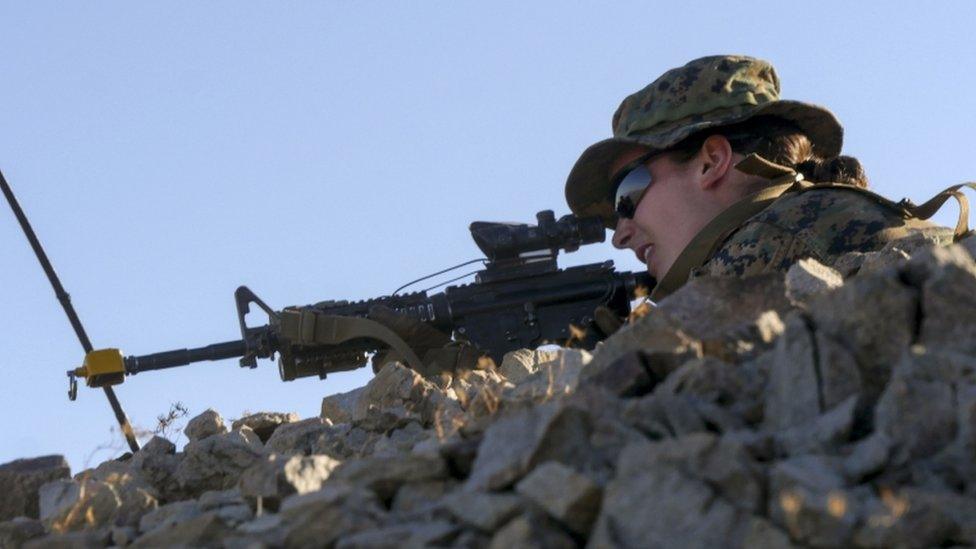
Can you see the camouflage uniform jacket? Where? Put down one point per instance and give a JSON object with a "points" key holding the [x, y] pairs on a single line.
{"points": [[820, 223]]}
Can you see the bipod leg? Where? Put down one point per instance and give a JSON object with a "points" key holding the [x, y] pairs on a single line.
{"points": [[69, 309]]}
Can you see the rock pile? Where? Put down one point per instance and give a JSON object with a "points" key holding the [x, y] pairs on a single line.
{"points": [[828, 407]]}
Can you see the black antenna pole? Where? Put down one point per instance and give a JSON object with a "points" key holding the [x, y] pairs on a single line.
{"points": [[69, 309]]}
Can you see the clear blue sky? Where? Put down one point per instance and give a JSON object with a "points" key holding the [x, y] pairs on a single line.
{"points": [[168, 152]]}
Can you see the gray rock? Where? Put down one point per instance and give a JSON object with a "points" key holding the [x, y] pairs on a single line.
{"points": [[339, 408], [137, 497], [627, 376], [159, 470], [169, 515], [484, 511], [873, 317], [416, 496], [216, 462], [278, 476], [736, 388], [917, 410], [124, 535], [652, 501], [385, 475], [412, 535], [664, 415], [840, 375], [158, 445], [810, 373], [762, 534], [20, 480], [554, 378], [849, 264], [229, 505], [792, 396], [808, 277], [264, 424], [882, 260], [567, 496], [654, 334], [398, 395], [343, 441], [948, 298], [867, 456], [204, 530], [15, 532], [918, 518], [71, 540], [266, 530], [477, 393], [318, 519], [531, 533], [519, 364], [515, 444], [724, 308], [204, 425], [402, 440], [299, 437], [969, 244], [807, 498], [823, 434], [68, 505]]}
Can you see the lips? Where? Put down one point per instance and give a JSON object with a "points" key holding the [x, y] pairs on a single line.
{"points": [[644, 252]]}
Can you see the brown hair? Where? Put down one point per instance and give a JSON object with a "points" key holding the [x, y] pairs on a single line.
{"points": [[782, 142]]}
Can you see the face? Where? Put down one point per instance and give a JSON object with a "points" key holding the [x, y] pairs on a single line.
{"points": [[666, 218]]}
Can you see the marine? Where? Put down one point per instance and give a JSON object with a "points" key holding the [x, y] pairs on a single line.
{"points": [[710, 173]]}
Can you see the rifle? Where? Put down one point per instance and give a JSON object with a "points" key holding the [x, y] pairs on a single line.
{"points": [[521, 299]]}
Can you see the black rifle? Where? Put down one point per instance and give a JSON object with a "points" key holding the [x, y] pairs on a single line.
{"points": [[521, 299]]}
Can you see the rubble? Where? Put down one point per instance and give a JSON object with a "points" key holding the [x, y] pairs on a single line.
{"points": [[204, 425], [20, 480], [828, 406], [264, 424]]}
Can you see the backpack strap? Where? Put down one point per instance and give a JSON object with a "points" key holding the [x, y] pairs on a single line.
{"points": [[932, 205]]}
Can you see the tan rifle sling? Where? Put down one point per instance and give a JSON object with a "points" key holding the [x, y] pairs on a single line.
{"points": [[310, 328], [786, 180]]}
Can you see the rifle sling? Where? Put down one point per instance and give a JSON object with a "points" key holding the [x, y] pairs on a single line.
{"points": [[309, 328]]}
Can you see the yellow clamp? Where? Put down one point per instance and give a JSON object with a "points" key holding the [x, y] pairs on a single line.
{"points": [[102, 367]]}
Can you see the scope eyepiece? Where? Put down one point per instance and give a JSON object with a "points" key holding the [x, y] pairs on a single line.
{"points": [[500, 241]]}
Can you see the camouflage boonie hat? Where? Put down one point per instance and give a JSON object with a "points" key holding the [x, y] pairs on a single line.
{"points": [[707, 92]]}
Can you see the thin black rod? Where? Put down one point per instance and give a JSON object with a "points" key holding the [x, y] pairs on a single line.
{"points": [[69, 309], [449, 269]]}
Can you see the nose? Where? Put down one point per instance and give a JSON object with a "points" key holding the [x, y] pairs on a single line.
{"points": [[623, 233]]}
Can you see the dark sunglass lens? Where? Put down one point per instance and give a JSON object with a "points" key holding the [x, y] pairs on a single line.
{"points": [[630, 190]]}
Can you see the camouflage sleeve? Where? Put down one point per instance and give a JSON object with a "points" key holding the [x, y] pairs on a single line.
{"points": [[758, 247]]}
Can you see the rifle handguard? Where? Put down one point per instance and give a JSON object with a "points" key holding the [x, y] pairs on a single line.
{"points": [[308, 328]]}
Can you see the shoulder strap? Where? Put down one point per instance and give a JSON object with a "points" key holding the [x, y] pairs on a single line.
{"points": [[932, 205]]}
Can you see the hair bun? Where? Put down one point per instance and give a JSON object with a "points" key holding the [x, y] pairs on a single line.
{"points": [[838, 169]]}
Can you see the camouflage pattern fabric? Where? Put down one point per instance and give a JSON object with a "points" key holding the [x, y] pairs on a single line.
{"points": [[706, 93], [821, 223]]}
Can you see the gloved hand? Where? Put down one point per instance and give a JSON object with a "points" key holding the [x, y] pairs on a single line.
{"points": [[438, 352], [607, 321]]}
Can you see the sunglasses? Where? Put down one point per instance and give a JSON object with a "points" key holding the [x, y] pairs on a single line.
{"points": [[629, 185]]}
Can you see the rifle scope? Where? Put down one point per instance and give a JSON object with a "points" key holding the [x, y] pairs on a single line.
{"points": [[501, 241]]}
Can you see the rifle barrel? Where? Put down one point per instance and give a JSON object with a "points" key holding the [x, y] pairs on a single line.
{"points": [[182, 357]]}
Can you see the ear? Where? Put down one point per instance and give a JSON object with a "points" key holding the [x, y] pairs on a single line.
{"points": [[715, 160]]}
